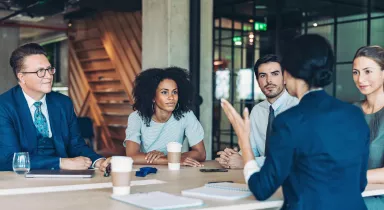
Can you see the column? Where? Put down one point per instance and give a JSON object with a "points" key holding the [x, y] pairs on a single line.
{"points": [[9, 41], [166, 43], [165, 33], [206, 72]]}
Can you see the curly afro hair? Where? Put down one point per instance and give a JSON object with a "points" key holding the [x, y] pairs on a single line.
{"points": [[145, 87]]}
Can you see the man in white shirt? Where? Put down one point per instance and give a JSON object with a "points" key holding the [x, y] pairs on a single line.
{"points": [[36, 120], [269, 76]]}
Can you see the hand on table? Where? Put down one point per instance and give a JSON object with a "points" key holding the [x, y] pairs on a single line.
{"points": [[187, 161], [236, 161], [102, 164], [153, 156], [230, 158], [77, 163], [222, 162]]}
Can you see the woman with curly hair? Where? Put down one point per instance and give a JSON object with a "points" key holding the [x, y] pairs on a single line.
{"points": [[163, 114]]}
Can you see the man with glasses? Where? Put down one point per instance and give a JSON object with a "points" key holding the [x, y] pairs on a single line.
{"points": [[43, 123]]}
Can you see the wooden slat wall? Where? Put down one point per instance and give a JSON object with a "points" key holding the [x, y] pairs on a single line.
{"points": [[105, 57], [84, 97]]}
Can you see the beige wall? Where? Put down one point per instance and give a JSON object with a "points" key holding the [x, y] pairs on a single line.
{"points": [[165, 33], [206, 68]]}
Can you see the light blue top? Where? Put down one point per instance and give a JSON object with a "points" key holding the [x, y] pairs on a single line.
{"points": [[158, 135]]}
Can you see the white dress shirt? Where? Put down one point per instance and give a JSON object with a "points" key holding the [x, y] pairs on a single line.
{"points": [[259, 122], [254, 166], [44, 110]]}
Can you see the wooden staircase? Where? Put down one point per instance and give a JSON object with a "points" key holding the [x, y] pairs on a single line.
{"points": [[100, 83]]}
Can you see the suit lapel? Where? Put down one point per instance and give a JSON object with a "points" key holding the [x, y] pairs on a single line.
{"points": [[30, 135], [54, 113]]}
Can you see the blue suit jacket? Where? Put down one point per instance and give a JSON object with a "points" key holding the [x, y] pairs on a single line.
{"points": [[18, 133], [318, 154]]}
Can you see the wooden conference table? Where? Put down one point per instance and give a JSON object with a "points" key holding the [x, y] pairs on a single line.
{"points": [[176, 181]]}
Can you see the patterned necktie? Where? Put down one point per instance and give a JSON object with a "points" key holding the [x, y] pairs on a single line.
{"points": [[271, 117], [40, 120]]}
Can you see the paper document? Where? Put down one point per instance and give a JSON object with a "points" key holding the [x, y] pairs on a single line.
{"points": [[225, 191], [229, 186], [63, 188], [158, 200]]}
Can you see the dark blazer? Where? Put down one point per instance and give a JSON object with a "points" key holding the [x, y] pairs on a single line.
{"points": [[318, 153], [18, 133]]}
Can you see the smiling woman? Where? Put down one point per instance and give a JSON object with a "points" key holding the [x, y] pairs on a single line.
{"points": [[368, 75], [163, 99], [368, 70]]}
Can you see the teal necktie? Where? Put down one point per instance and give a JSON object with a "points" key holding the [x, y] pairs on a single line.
{"points": [[40, 120]]}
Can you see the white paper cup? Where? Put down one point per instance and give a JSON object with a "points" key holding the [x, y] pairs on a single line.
{"points": [[174, 155], [121, 168]]}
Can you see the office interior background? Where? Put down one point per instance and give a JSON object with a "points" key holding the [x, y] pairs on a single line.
{"points": [[98, 47]]}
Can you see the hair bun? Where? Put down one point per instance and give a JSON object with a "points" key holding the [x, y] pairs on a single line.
{"points": [[322, 77]]}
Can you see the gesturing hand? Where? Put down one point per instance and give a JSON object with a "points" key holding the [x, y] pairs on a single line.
{"points": [[240, 125]]}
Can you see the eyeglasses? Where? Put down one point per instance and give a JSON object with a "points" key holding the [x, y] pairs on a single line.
{"points": [[41, 72]]}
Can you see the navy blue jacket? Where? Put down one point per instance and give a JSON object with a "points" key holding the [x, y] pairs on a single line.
{"points": [[18, 133], [318, 153]]}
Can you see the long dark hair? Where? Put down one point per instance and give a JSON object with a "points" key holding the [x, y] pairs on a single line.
{"points": [[145, 87]]}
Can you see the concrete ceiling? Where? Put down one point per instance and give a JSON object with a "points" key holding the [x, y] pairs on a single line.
{"points": [[243, 9], [48, 18], [36, 27]]}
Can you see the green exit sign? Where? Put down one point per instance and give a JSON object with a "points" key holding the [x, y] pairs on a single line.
{"points": [[236, 39], [260, 26]]}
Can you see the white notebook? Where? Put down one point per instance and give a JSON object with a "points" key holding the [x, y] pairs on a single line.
{"points": [[159, 200], [224, 191], [229, 186]]}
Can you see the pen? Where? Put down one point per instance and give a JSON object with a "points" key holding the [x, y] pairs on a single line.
{"points": [[107, 171]]}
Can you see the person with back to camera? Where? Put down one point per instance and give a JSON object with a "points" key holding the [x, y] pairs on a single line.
{"points": [[318, 149], [163, 100], [368, 75]]}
